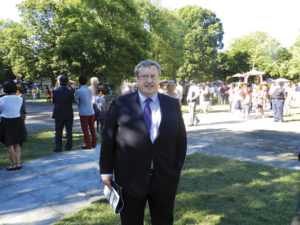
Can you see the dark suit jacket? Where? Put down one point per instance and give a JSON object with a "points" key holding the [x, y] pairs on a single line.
{"points": [[62, 99], [127, 149]]}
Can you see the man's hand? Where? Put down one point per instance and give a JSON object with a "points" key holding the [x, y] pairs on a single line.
{"points": [[106, 180]]}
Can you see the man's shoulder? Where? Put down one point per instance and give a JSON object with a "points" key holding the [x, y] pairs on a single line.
{"points": [[167, 99], [62, 89], [79, 90]]}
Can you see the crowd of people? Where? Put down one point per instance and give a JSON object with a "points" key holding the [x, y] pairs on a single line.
{"points": [[276, 96], [92, 102], [243, 98], [93, 105], [144, 139]]}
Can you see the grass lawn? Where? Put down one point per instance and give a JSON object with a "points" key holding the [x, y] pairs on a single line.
{"points": [[216, 190], [42, 98], [40, 144]]}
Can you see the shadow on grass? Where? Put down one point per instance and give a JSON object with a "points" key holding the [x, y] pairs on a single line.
{"points": [[213, 140], [214, 190], [219, 191]]}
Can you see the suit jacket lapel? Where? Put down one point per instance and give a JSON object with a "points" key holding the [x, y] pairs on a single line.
{"points": [[163, 111]]}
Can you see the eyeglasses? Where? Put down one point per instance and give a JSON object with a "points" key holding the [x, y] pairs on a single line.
{"points": [[146, 77]]}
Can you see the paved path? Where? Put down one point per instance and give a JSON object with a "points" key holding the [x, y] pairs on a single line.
{"points": [[48, 189], [40, 117]]}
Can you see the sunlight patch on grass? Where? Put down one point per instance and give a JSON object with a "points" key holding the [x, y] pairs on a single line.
{"points": [[40, 144], [215, 190]]}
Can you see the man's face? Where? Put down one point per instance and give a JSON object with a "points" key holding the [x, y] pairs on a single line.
{"points": [[147, 81]]}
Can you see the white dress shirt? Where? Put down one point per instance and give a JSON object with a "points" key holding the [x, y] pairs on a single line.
{"points": [[193, 91], [155, 113]]}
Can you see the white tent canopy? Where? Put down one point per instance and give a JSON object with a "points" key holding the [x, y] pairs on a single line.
{"points": [[252, 72], [255, 73], [238, 75], [281, 80]]}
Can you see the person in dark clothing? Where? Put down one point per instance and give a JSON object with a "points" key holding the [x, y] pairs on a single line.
{"points": [[48, 94], [63, 113], [144, 146], [278, 96]]}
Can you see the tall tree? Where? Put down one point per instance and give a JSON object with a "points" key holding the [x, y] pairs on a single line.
{"points": [[40, 21], [116, 38], [17, 57], [167, 32], [261, 52], [294, 63], [202, 41], [85, 37]]}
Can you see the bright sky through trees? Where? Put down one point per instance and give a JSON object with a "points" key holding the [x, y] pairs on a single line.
{"points": [[280, 18]]}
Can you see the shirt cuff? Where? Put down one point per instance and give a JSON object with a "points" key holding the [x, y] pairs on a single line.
{"points": [[107, 175]]}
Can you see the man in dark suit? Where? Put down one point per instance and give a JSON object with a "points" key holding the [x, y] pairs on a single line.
{"points": [[63, 98], [144, 145]]}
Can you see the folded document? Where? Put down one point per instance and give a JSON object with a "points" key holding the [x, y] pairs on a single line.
{"points": [[114, 196]]}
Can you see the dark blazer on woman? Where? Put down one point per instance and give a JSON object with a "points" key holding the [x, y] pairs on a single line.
{"points": [[127, 149]]}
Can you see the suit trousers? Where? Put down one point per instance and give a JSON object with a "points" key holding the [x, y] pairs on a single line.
{"points": [[59, 126], [161, 205], [88, 122]]}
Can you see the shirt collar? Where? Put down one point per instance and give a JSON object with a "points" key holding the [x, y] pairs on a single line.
{"points": [[143, 97]]}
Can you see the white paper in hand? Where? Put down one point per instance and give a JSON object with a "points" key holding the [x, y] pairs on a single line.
{"points": [[114, 199]]}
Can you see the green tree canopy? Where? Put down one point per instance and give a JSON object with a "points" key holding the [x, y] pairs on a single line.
{"points": [[294, 63], [202, 41], [260, 51], [89, 38], [167, 32]]}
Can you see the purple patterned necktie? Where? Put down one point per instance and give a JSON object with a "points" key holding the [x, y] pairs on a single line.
{"points": [[147, 115]]}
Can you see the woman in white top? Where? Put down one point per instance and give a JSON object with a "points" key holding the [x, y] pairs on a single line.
{"points": [[231, 93], [13, 127]]}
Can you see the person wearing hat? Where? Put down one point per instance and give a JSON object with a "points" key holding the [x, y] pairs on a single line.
{"points": [[63, 97], [193, 95]]}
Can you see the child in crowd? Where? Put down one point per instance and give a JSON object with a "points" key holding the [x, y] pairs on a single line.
{"points": [[100, 108]]}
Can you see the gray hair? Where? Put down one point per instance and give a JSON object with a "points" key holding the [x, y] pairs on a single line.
{"points": [[147, 63], [94, 79]]}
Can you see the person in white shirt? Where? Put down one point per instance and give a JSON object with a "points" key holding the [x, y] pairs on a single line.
{"points": [[12, 125], [192, 97]]}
